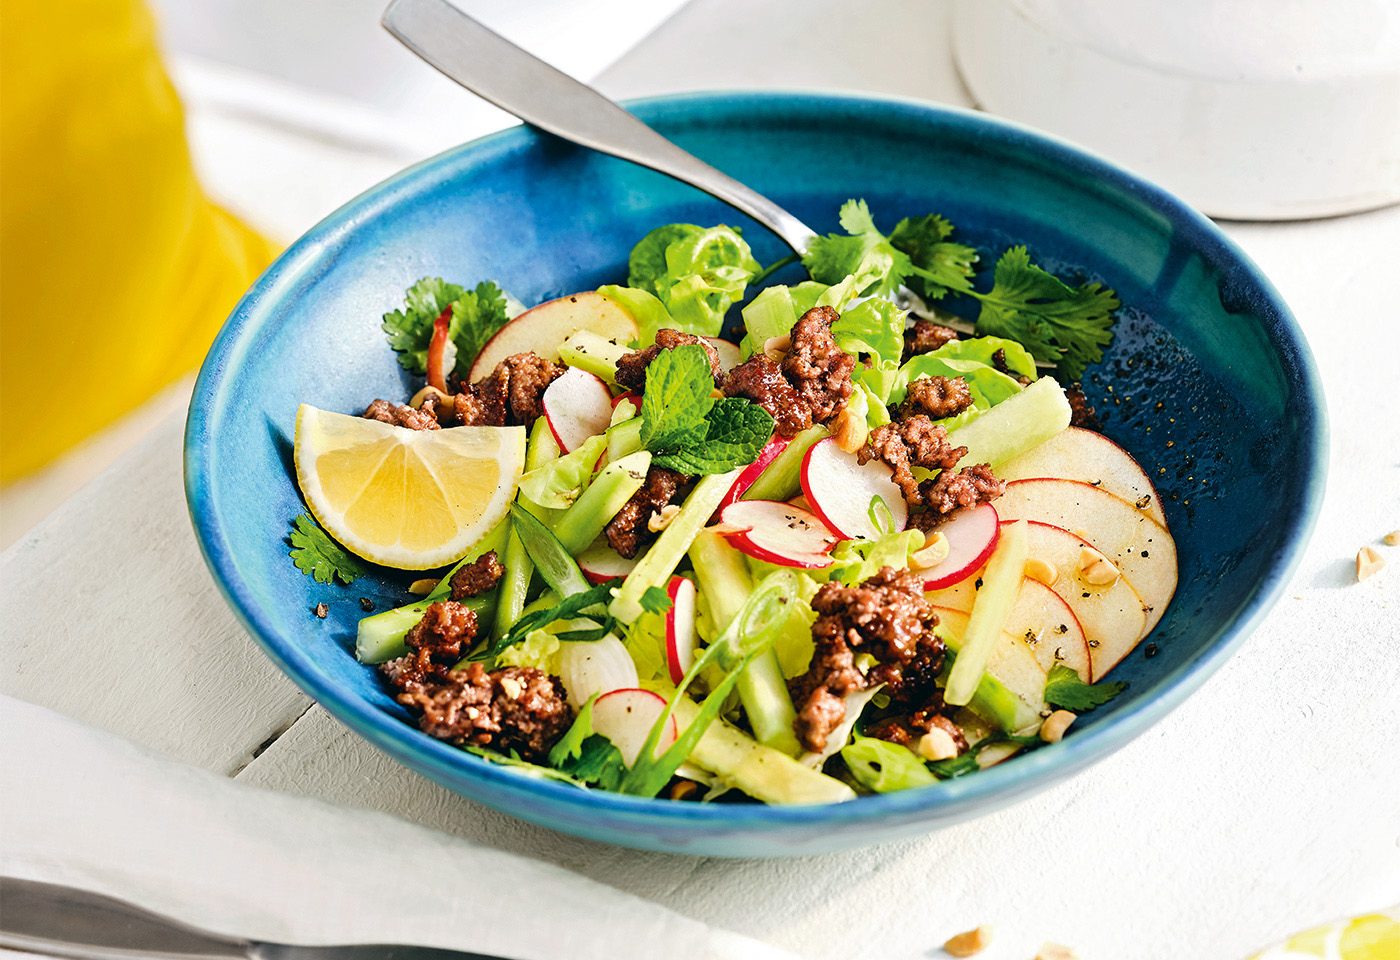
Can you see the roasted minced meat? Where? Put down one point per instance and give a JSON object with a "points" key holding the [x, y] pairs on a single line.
{"points": [[510, 396], [956, 491], [817, 367], [914, 441], [515, 708], [999, 363], [627, 531], [518, 709], [1081, 411], [886, 616], [810, 385], [401, 416], [477, 577], [632, 367], [761, 380], [937, 397], [906, 729], [925, 336]]}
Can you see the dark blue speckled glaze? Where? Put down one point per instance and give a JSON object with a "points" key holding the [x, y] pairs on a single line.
{"points": [[1209, 383]]}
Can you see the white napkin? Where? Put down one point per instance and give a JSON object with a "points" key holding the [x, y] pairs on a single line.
{"points": [[91, 810]]}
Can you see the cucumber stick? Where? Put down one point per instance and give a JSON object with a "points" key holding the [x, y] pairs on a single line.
{"points": [[590, 352], [782, 478], [579, 525], [1015, 425], [1000, 584]]}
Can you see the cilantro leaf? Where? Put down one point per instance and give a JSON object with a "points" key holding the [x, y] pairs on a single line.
{"points": [[1065, 690], [833, 258], [940, 265], [476, 316], [587, 756], [318, 556], [655, 600], [524, 767], [410, 330], [736, 432], [1057, 323], [677, 398]]}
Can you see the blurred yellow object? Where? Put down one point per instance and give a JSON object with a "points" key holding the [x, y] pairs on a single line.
{"points": [[115, 270]]}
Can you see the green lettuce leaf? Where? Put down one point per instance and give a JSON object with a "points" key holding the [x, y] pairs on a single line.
{"points": [[989, 386], [696, 273], [980, 349], [558, 483]]}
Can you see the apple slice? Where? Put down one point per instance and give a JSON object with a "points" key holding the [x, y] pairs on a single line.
{"points": [[751, 473], [680, 627], [729, 354], [1079, 454], [541, 329], [1112, 616], [601, 563], [1012, 666], [841, 490], [577, 405], [778, 533], [1040, 618], [626, 717], [1139, 546], [972, 536]]}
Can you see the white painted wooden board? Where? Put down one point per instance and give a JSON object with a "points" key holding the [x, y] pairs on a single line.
{"points": [[109, 615]]}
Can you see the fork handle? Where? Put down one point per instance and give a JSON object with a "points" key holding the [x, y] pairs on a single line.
{"points": [[500, 72]]}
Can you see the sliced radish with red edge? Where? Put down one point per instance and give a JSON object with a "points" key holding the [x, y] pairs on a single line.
{"points": [[626, 717], [577, 405], [680, 628], [746, 478], [972, 535], [841, 491], [601, 563], [778, 533]]}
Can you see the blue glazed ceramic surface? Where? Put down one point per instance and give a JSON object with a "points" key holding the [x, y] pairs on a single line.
{"points": [[1208, 383]]}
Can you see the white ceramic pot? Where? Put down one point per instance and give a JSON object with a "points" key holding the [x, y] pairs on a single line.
{"points": [[1249, 109]]}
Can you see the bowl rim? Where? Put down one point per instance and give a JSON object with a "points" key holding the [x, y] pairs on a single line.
{"points": [[990, 788]]}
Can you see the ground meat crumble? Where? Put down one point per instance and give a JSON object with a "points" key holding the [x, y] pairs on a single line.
{"points": [[632, 367], [475, 578], [519, 709], [810, 385], [925, 336], [937, 397], [627, 532], [509, 397], [1000, 365], [886, 616], [1081, 411], [401, 416], [918, 441]]}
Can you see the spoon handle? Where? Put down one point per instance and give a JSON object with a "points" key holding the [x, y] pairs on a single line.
{"points": [[500, 72]]}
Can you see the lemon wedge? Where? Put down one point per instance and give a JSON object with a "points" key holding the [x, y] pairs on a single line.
{"points": [[412, 499]]}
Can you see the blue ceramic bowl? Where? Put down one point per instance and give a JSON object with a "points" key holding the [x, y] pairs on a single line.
{"points": [[1209, 383]]}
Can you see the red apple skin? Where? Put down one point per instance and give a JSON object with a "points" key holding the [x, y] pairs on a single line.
{"points": [[673, 630], [541, 329], [752, 472]]}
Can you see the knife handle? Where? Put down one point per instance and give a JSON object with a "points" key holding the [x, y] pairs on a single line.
{"points": [[62, 921]]}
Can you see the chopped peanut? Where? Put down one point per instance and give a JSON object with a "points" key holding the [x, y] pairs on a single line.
{"points": [[849, 430], [969, 943], [1088, 556], [511, 687], [1101, 574], [1368, 563], [1055, 951], [421, 588], [661, 519], [936, 745], [1038, 569], [933, 552], [1393, 538], [1055, 725], [775, 347], [444, 399]]}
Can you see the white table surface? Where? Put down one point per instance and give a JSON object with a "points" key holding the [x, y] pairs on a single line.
{"points": [[1266, 803]]}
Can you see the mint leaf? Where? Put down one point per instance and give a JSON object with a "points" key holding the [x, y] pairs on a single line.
{"points": [[410, 330], [1065, 690], [736, 432], [677, 398], [1057, 323], [476, 317], [317, 555], [655, 600]]}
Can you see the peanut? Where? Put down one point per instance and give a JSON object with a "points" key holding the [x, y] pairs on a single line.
{"points": [[1101, 574], [1055, 725], [661, 519], [775, 347], [1393, 538], [511, 688], [421, 588], [936, 745], [933, 552], [1055, 951], [1368, 563], [850, 430], [969, 943], [1038, 569]]}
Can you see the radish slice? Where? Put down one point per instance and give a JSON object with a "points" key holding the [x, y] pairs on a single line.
{"points": [[841, 490], [601, 563], [972, 535], [752, 472], [729, 355], [577, 406], [633, 398], [593, 667], [778, 533], [626, 717], [680, 628]]}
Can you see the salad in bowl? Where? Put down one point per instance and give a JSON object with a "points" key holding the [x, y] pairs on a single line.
{"points": [[857, 546]]}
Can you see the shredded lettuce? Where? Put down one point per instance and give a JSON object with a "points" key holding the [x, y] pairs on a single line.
{"points": [[980, 349], [558, 483], [695, 273], [650, 313], [539, 649]]}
